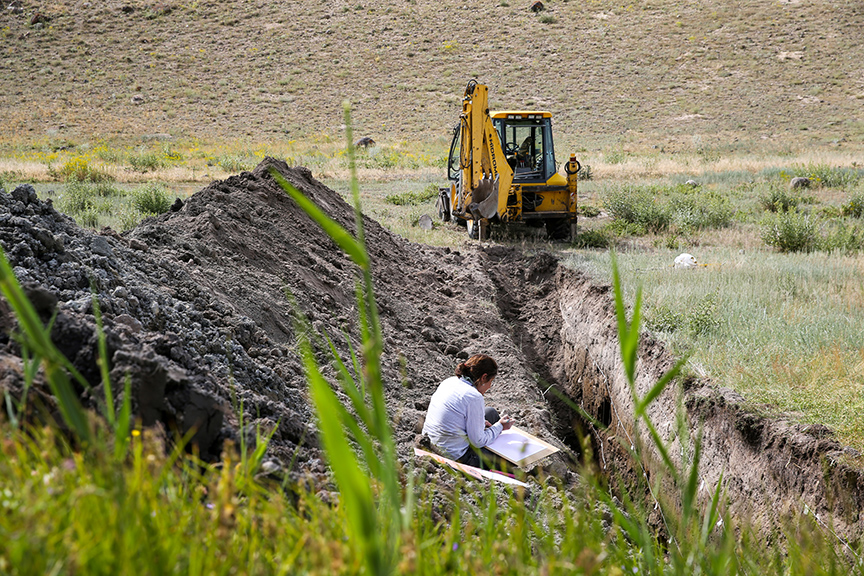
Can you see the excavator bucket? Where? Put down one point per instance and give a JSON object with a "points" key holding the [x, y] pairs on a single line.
{"points": [[485, 199]]}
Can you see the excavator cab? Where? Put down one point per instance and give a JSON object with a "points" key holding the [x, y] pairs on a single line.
{"points": [[526, 138]]}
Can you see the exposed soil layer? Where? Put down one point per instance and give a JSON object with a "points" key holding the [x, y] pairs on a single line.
{"points": [[197, 310]]}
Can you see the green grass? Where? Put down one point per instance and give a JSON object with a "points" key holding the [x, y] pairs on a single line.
{"points": [[784, 330], [94, 205]]}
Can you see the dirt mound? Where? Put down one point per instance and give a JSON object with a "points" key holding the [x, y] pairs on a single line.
{"points": [[196, 305]]}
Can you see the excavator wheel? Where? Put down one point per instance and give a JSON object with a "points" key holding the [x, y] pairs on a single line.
{"points": [[558, 228]]}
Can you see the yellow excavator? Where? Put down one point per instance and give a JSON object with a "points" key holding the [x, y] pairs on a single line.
{"points": [[502, 170]]}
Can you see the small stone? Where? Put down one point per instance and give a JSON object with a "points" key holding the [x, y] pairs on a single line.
{"points": [[136, 244], [99, 245], [799, 182], [126, 320], [425, 222]]}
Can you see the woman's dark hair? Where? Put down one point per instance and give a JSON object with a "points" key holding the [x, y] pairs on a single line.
{"points": [[476, 366]]}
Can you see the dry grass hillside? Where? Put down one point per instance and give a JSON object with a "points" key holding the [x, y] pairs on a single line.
{"points": [[715, 75]]}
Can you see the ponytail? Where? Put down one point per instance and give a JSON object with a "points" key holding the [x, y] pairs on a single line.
{"points": [[476, 366]]}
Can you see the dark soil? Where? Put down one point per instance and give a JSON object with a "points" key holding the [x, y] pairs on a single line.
{"points": [[198, 311]]}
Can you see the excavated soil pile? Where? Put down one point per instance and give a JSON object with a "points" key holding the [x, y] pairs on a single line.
{"points": [[197, 311]]}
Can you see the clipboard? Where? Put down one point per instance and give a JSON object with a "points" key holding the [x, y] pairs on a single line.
{"points": [[520, 448]]}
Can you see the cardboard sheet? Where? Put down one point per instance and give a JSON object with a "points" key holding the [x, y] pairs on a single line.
{"points": [[472, 471], [520, 447]]}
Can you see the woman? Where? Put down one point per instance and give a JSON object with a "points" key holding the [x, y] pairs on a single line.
{"points": [[457, 422]]}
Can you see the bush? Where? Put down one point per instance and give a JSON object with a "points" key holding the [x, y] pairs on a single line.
{"points": [[827, 176], [779, 199], [77, 197], [146, 161], [637, 206], [236, 163], [86, 202], [700, 210], [702, 317], [855, 206], [78, 169], [413, 198], [152, 199], [699, 317], [599, 238], [588, 211], [790, 232], [843, 238], [585, 172], [663, 318]]}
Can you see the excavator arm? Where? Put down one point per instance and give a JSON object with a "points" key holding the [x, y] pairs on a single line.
{"points": [[486, 175]]}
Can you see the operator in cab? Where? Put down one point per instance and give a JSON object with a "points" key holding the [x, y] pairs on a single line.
{"points": [[458, 423]]}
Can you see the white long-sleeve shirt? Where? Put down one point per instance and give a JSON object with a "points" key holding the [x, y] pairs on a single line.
{"points": [[456, 418]]}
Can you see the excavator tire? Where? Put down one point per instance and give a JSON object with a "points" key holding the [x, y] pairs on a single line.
{"points": [[558, 228]]}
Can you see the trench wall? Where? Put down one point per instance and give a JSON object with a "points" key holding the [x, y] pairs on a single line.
{"points": [[770, 467]]}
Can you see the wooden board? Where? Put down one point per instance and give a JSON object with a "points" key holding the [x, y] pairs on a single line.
{"points": [[519, 447]]}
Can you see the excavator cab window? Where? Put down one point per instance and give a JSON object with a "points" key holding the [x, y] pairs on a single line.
{"points": [[527, 144]]}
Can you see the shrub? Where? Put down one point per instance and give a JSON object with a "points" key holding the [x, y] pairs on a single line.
{"points": [[855, 206], [146, 161], [588, 210], [827, 176], [79, 169], [413, 198], [598, 238], [585, 172], [663, 318], [236, 163], [779, 199], [790, 232], [637, 206], [697, 211], [702, 317], [843, 238], [77, 197], [152, 199]]}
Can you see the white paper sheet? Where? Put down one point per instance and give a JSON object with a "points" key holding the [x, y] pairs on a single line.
{"points": [[515, 446]]}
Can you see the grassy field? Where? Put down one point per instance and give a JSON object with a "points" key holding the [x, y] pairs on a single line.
{"points": [[114, 110]]}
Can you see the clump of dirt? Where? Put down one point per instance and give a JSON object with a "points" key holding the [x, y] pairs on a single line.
{"points": [[198, 311]]}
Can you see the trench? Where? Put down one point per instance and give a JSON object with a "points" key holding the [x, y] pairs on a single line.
{"points": [[770, 468]]}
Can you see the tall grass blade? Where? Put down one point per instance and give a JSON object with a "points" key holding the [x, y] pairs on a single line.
{"points": [[103, 359], [353, 484], [123, 424]]}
